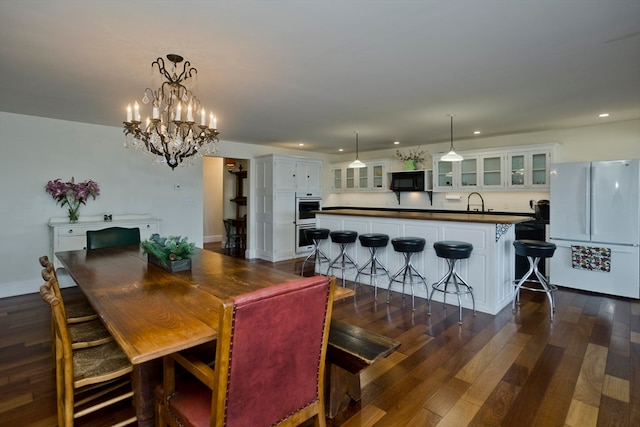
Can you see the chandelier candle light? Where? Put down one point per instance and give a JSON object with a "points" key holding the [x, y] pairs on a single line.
{"points": [[171, 133]]}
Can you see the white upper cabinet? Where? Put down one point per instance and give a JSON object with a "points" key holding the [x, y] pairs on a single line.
{"points": [[511, 168], [372, 177], [337, 178], [492, 175], [459, 176], [292, 173], [529, 169], [308, 175]]}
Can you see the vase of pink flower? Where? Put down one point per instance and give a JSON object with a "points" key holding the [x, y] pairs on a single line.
{"points": [[72, 194]]}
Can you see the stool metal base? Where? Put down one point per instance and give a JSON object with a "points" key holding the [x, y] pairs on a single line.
{"points": [[407, 270], [346, 262], [546, 286], [374, 264], [458, 282], [319, 257]]}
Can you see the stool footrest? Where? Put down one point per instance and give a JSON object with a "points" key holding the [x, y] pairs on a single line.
{"points": [[551, 286], [469, 289]]}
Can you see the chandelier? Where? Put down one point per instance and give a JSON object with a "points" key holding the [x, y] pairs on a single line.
{"points": [[171, 133]]}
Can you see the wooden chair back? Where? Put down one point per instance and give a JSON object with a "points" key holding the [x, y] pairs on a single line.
{"points": [[270, 358], [102, 364], [112, 236]]}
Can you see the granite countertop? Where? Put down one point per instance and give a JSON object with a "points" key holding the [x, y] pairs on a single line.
{"points": [[488, 218]]}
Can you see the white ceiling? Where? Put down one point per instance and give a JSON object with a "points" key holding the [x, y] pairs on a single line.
{"points": [[287, 72]]}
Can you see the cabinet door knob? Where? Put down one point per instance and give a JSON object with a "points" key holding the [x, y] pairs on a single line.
{"points": [[70, 231]]}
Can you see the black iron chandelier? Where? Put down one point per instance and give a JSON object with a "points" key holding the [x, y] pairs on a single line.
{"points": [[171, 133]]}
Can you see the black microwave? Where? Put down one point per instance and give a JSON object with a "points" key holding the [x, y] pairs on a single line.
{"points": [[411, 181]]}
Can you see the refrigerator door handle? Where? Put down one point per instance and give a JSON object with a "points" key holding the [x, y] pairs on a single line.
{"points": [[587, 200], [592, 216]]}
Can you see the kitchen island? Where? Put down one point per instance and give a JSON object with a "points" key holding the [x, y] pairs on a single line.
{"points": [[490, 269]]}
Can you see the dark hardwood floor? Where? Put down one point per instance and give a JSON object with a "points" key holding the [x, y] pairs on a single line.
{"points": [[504, 370]]}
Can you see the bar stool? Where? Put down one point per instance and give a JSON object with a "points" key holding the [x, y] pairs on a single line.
{"points": [[319, 257], [535, 251], [373, 241], [408, 246], [343, 238], [453, 251]]}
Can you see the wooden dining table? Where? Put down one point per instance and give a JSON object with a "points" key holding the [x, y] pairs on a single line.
{"points": [[151, 312]]}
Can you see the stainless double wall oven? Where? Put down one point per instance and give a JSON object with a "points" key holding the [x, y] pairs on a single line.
{"points": [[306, 203]]}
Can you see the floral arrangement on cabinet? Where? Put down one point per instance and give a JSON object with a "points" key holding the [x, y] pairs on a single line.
{"points": [[72, 194], [412, 158]]}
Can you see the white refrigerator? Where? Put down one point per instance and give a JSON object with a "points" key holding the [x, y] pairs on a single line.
{"points": [[595, 224]]}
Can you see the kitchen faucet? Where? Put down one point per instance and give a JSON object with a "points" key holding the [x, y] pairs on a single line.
{"points": [[481, 199]]}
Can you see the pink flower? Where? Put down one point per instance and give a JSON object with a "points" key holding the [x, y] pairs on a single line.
{"points": [[71, 193]]}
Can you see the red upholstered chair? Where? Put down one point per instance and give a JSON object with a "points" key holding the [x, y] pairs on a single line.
{"points": [[269, 364]]}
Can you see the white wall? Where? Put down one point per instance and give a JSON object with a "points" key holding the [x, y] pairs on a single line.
{"points": [[213, 201]]}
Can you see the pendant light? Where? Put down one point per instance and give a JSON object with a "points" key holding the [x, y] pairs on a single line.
{"points": [[357, 163], [451, 156]]}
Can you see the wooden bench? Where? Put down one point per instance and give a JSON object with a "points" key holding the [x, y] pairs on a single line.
{"points": [[349, 351]]}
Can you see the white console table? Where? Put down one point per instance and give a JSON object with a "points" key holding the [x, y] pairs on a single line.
{"points": [[67, 236]]}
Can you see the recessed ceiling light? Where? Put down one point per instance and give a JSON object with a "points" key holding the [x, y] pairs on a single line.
{"points": [[476, 132], [301, 144], [603, 115], [396, 142], [340, 149]]}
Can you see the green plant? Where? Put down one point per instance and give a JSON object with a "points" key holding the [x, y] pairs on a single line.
{"points": [[168, 248], [415, 154]]}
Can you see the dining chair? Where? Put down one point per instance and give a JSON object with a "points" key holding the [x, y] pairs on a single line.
{"points": [[112, 236], [84, 334], [87, 379], [269, 362], [233, 240], [78, 311]]}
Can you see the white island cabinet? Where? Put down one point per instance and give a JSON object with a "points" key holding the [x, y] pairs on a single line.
{"points": [[489, 271], [67, 236]]}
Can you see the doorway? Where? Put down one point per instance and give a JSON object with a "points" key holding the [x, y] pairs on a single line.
{"points": [[226, 191]]}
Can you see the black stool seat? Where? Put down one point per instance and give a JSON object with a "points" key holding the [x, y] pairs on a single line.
{"points": [[534, 248], [374, 240], [408, 244], [344, 236], [317, 233], [452, 249]]}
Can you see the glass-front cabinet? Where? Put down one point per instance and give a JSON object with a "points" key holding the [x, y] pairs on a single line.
{"points": [[529, 169], [492, 176], [350, 179], [469, 173], [456, 175], [510, 168], [363, 177], [337, 179], [372, 177], [444, 174]]}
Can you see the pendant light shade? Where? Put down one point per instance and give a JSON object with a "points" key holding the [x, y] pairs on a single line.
{"points": [[451, 156], [357, 163]]}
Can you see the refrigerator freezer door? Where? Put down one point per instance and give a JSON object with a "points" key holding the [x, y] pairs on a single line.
{"points": [[570, 195], [614, 202], [623, 279]]}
